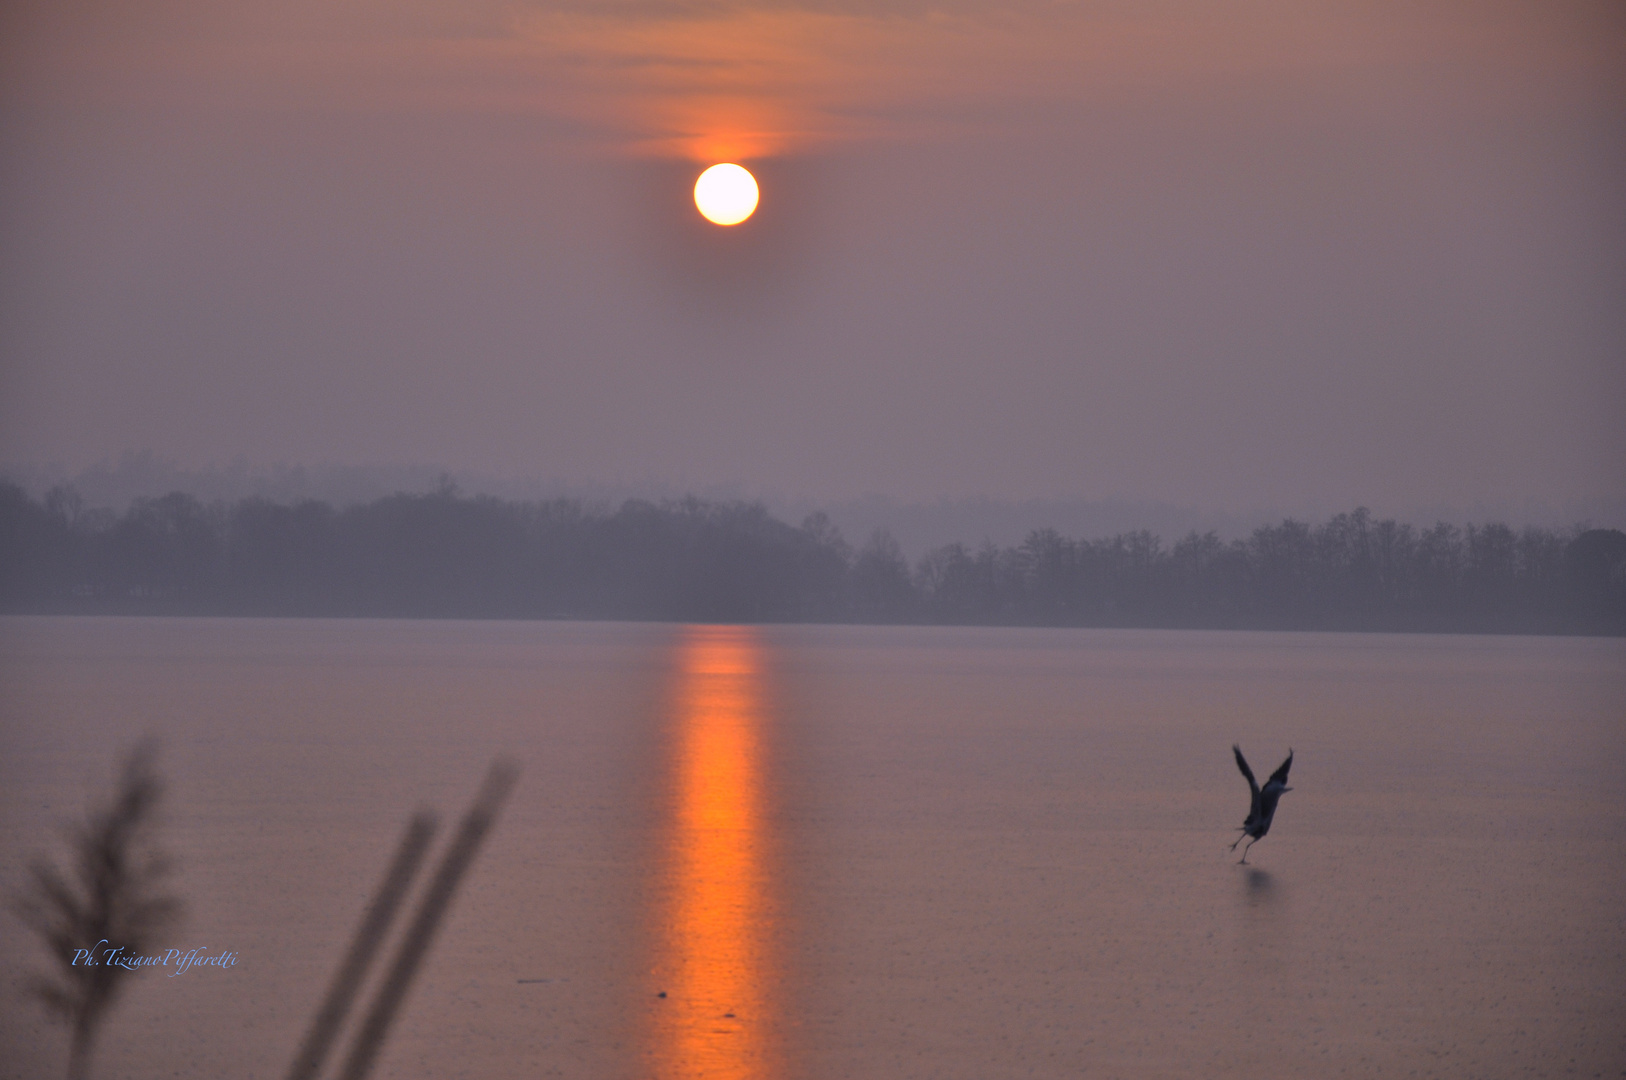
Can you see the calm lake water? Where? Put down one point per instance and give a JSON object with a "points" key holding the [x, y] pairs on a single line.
{"points": [[856, 852]]}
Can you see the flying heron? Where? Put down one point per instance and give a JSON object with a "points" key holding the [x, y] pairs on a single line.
{"points": [[1263, 807]]}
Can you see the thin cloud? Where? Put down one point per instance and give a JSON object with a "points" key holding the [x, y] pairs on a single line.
{"points": [[708, 80]]}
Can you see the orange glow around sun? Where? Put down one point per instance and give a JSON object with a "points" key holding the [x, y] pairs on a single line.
{"points": [[715, 952]]}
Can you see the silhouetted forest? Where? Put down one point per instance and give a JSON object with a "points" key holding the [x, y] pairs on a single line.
{"points": [[447, 555]]}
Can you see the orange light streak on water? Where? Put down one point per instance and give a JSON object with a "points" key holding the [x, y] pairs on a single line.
{"points": [[714, 933]]}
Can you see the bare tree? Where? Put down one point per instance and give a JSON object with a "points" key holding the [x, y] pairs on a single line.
{"points": [[108, 905]]}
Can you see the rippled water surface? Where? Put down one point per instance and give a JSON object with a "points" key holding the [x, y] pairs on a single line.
{"points": [[821, 852]]}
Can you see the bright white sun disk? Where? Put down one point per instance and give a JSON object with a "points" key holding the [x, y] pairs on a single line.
{"points": [[726, 194]]}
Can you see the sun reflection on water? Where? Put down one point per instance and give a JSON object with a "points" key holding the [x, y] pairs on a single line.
{"points": [[715, 955]]}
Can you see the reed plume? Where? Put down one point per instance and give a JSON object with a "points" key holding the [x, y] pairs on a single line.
{"points": [[110, 897]]}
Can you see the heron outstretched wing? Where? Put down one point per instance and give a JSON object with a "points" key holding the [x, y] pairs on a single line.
{"points": [[1242, 763], [1280, 775]]}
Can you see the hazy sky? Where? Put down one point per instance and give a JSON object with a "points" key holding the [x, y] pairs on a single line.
{"points": [[1303, 255]]}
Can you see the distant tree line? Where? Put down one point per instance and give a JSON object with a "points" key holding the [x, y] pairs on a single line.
{"points": [[446, 555]]}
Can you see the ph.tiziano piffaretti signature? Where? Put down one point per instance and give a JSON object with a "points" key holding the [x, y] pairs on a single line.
{"points": [[104, 955]]}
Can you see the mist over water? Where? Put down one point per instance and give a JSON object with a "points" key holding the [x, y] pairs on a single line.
{"points": [[857, 851]]}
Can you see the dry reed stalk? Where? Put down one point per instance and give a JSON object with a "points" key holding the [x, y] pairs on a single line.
{"points": [[369, 935]]}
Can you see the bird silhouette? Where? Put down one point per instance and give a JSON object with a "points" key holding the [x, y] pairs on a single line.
{"points": [[1263, 808]]}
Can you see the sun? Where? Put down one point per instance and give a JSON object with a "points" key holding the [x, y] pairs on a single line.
{"points": [[726, 194]]}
